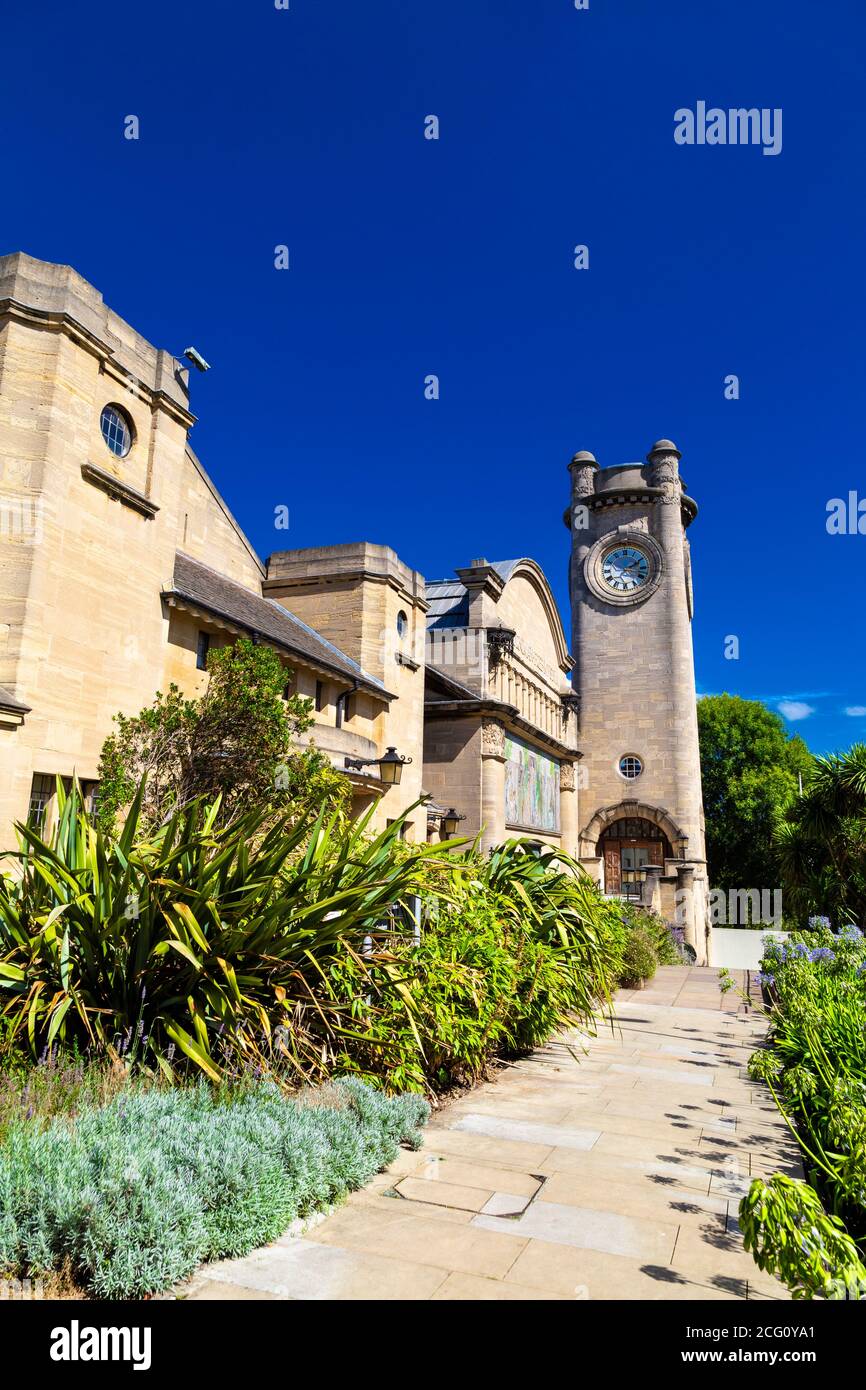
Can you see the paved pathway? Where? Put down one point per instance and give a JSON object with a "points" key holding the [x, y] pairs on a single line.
{"points": [[614, 1173]]}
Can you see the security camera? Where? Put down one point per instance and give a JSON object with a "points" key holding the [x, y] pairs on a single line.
{"points": [[196, 359]]}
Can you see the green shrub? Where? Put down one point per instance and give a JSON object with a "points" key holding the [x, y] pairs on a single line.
{"points": [[814, 1062], [194, 941], [663, 940], [58, 1085], [136, 1193], [639, 959], [517, 947], [791, 1236], [223, 948]]}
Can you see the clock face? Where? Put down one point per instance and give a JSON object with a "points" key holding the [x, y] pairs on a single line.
{"points": [[626, 569]]}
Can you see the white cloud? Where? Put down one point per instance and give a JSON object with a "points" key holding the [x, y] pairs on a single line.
{"points": [[795, 709], [856, 711]]}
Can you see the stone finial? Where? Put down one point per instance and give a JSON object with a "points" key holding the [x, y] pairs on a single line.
{"points": [[583, 468], [663, 458], [664, 446]]}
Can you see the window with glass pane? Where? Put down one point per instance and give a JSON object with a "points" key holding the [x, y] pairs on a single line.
{"points": [[115, 431], [41, 792]]}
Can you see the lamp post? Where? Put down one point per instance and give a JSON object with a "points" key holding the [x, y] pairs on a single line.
{"points": [[390, 765], [450, 821]]}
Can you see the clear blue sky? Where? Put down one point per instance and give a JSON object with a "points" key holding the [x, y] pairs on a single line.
{"points": [[261, 127]]}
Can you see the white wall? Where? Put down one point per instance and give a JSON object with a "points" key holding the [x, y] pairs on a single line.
{"points": [[740, 948]]}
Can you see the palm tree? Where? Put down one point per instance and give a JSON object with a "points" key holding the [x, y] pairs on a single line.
{"points": [[822, 842]]}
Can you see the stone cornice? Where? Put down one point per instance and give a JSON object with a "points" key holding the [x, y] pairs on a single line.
{"points": [[509, 714], [120, 492], [58, 320], [623, 496], [328, 581]]}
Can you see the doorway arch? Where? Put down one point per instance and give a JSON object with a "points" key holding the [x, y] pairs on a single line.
{"points": [[629, 838]]}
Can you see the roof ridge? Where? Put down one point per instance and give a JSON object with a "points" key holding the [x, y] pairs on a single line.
{"points": [[221, 603]]}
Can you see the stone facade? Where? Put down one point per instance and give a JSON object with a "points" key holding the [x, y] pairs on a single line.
{"points": [[367, 602], [90, 544], [498, 691], [118, 569]]}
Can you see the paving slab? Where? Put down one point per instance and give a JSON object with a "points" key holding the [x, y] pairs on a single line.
{"points": [[607, 1231], [527, 1131], [301, 1270], [599, 1167]]}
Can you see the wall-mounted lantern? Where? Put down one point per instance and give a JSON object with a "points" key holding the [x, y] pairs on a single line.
{"points": [[390, 765], [450, 821]]}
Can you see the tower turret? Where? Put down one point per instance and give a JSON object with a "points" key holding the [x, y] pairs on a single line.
{"points": [[631, 594]]}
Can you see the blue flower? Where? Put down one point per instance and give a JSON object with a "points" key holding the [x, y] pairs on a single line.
{"points": [[821, 953], [816, 923], [850, 933], [766, 979]]}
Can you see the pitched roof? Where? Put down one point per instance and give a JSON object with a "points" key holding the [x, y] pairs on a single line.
{"points": [[207, 589], [8, 701], [448, 605]]}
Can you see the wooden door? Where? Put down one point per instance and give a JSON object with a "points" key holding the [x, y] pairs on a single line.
{"points": [[612, 869]]}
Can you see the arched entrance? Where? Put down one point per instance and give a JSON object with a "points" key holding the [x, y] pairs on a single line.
{"points": [[627, 838], [627, 847]]}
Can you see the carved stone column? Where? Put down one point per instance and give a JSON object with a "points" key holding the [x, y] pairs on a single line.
{"points": [[664, 460], [492, 784], [583, 468], [569, 821]]}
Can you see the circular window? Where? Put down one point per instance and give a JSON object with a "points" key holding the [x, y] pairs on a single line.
{"points": [[402, 623], [630, 766], [116, 430]]}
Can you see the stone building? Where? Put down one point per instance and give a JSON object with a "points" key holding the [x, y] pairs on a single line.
{"points": [[500, 725], [121, 567]]}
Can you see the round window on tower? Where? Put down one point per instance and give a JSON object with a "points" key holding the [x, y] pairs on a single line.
{"points": [[630, 767], [116, 430]]}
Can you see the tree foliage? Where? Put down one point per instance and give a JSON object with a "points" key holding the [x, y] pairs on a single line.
{"points": [[749, 770], [821, 844], [237, 741]]}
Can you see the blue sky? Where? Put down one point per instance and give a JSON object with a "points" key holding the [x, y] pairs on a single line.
{"points": [[261, 127]]}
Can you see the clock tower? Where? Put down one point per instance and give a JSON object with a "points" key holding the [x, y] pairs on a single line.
{"points": [[641, 813]]}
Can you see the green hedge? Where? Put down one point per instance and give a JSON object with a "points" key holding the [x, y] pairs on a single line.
{"points": [[131, 1196], [813, 1234]]}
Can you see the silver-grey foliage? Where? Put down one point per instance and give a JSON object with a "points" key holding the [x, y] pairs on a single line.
{"points": [[136, 1193]]}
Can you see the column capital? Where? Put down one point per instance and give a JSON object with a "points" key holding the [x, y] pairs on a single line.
{"points": [[492, 739]]}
